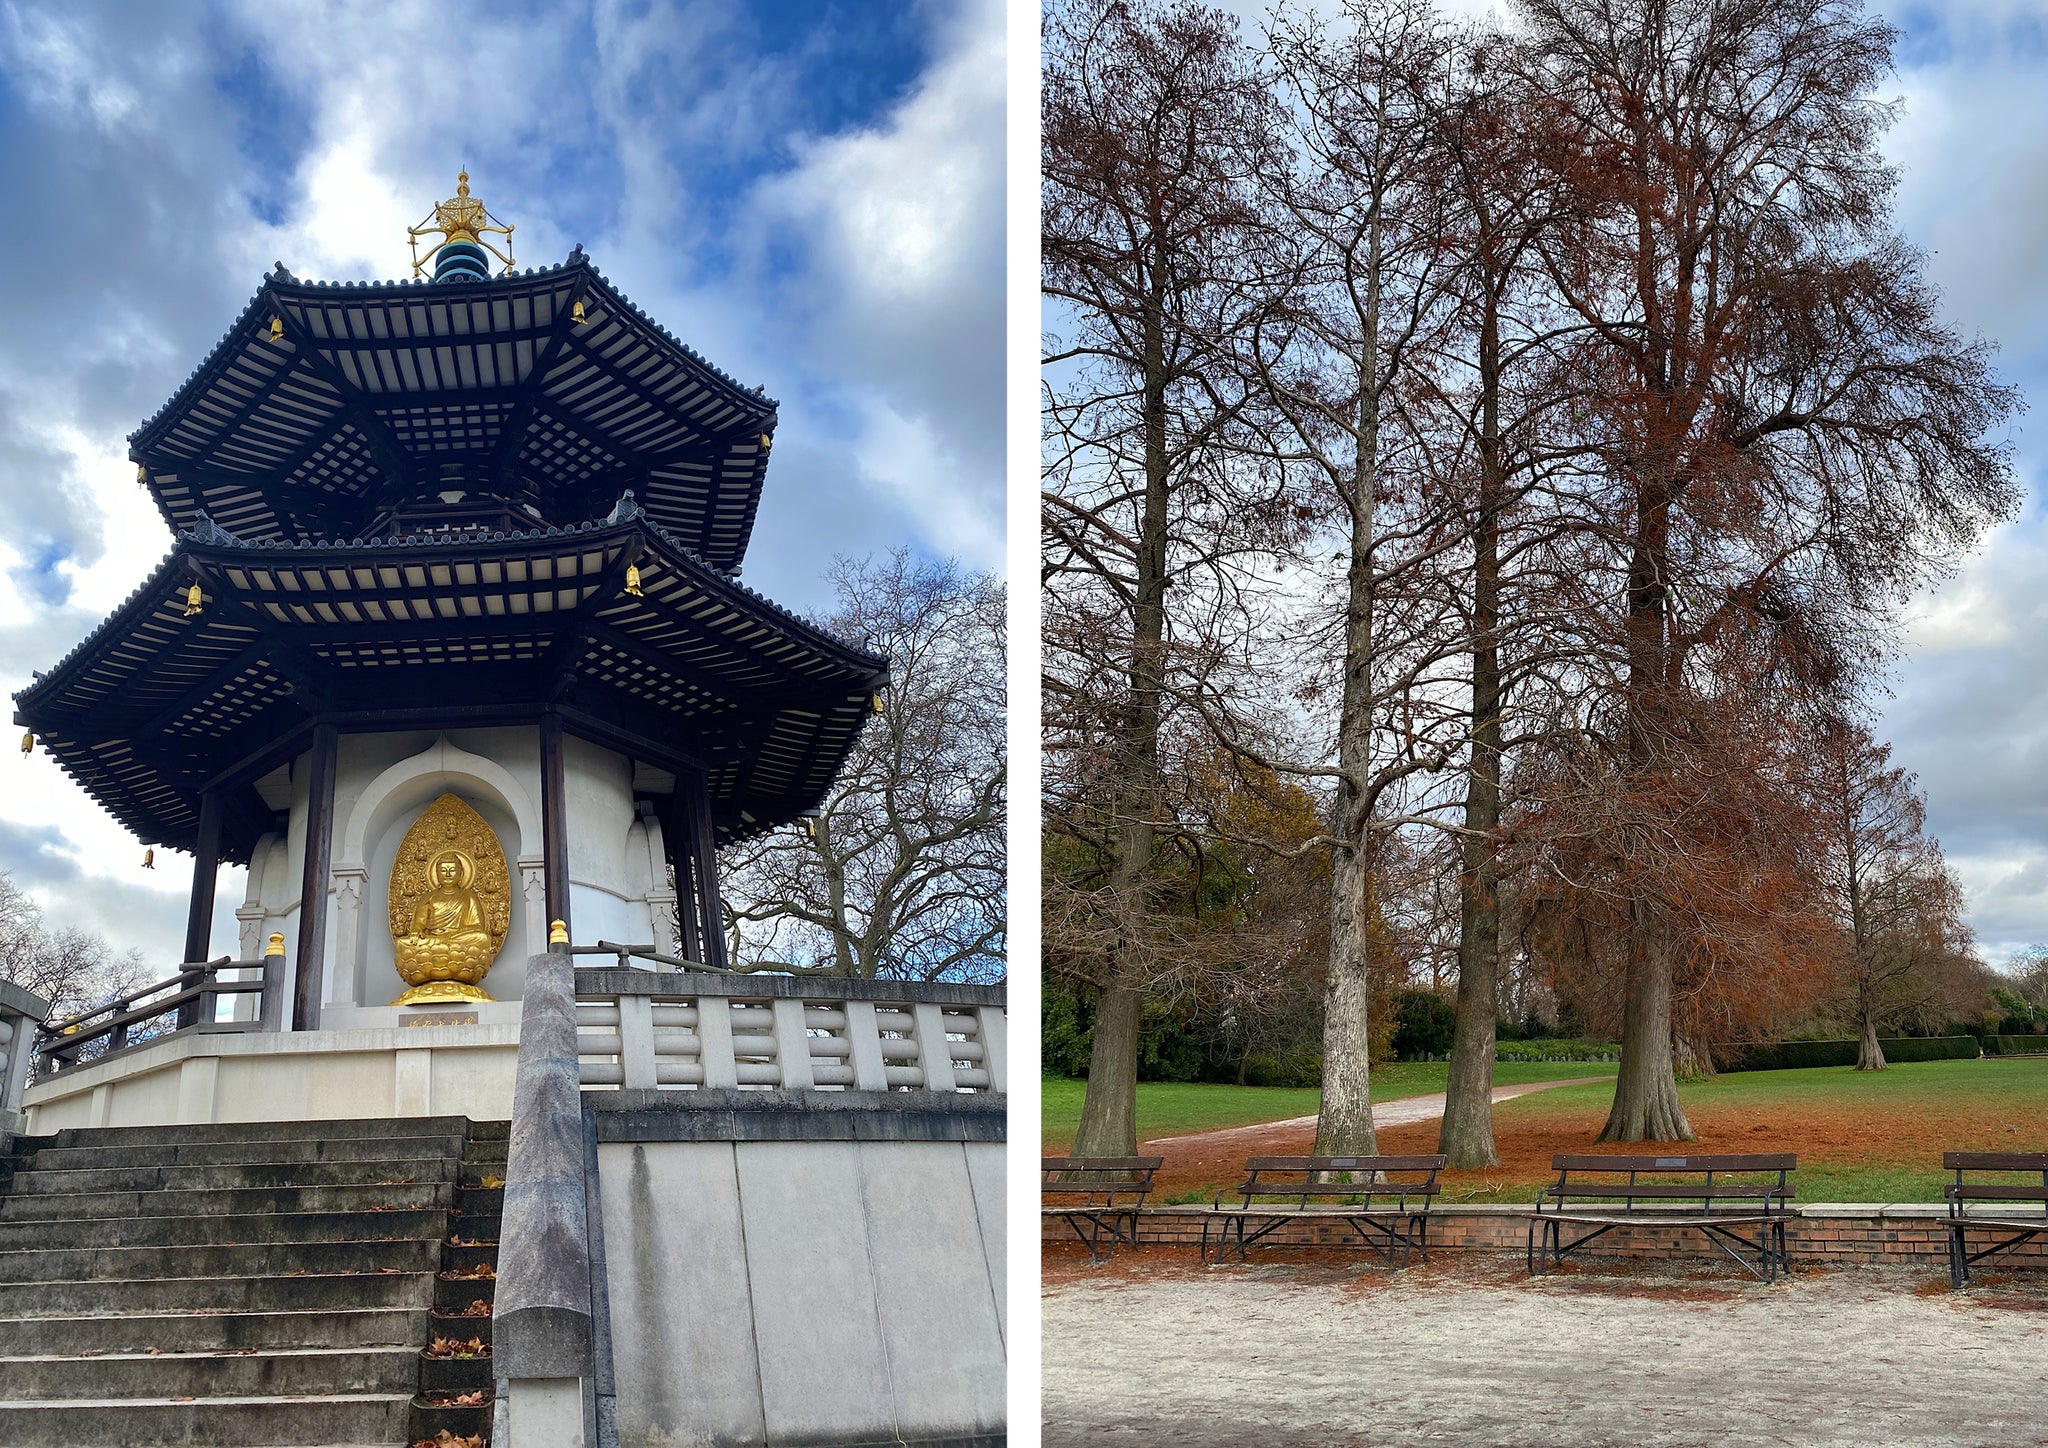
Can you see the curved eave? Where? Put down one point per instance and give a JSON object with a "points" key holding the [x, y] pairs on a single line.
{"points": [[770, 704], [374, 386]]}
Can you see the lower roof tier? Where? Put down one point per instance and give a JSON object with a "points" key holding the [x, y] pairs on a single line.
{"points": [[157, 705]]}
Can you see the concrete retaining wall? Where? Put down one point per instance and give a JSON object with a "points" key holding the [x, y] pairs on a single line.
{"points": [[1823, 1234], [791, 1267]]}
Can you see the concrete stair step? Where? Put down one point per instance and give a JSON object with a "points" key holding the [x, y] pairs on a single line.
{"points": [[362, 1126], [332, 1327], [256, 1259], [202, 1230], [264, 1372], [342, 1420], [237, 1153], [247, 1175], [52, 1298], [228, 1201]]}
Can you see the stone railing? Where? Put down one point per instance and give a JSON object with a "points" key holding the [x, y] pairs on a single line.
{"points": [[639, 1029], [21, 1014]]}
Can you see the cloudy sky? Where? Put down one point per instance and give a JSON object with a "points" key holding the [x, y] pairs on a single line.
{"points": [[1968, 709], [809, 193]]}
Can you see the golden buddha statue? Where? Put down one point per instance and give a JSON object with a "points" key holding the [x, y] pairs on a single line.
{"points": [[449, 904]]}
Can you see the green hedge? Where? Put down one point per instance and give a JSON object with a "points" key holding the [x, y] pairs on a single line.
{"points": [[1556, 1051], [2028, 1045], [1795, 1055]]}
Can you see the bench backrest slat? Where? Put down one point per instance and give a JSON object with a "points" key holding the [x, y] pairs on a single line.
{"points": [[1344, 1163], [1780, 1161], [1102, 1163], [1994, 1161]]}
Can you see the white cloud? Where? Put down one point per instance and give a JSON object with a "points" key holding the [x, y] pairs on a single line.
{"points": [[577, 125]]}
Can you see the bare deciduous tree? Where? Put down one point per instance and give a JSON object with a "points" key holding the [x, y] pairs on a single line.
{"points": [[900, 873]]}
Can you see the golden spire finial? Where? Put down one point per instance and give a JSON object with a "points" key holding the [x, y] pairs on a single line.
{"points": [[460, 219]]}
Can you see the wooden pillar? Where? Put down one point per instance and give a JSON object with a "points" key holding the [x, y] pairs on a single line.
{"points": [[313, 884], [554, 821], [703, 840], [675, 837], [205, 869]]}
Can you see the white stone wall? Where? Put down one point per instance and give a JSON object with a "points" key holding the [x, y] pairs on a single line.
{"points": [[818, 1291], [194, 1078]]}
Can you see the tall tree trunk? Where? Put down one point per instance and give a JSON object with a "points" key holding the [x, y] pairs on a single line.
{"points": [[1869, 1054], [1646, 1104], [1109, 1107], [1467, 1133], [1344, 1119]]}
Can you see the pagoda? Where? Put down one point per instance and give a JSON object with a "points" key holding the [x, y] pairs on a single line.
{"points": [[450, 648]]}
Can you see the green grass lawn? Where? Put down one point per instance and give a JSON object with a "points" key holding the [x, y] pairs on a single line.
{"points": [[1169, 1108], [1861, 1136]]}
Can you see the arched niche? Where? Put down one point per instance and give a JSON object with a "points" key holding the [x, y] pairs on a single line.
{"points": [[360, 970]]}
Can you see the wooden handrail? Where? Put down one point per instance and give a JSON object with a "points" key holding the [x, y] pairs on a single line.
{"points": [[59, 1042]]}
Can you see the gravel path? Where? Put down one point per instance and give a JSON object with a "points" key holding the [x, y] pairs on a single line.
{"points": [[1404, 1111], [1470, 1352]]}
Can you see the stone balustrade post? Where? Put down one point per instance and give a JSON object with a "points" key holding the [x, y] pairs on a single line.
{"points": [[542, 1333], [20, 1014]]}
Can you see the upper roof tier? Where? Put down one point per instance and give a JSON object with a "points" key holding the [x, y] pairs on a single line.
{"points": [[610, 624], [330, 408]]}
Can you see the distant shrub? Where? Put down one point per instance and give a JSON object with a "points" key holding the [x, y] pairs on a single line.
{"points": [[1261, 1068], [1556, 1050], [1424, 1023], [2010, 1045], [1799, 1055]]}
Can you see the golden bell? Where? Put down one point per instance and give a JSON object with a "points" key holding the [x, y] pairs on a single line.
{"points": [[633, 580], [28, 742], [875, 702], [767, 441], [576, 314], [193, 599], [277, 329], [141, 473], [149, 859], [558, 932]]}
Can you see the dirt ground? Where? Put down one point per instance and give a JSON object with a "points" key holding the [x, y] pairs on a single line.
{"points": [[1468, 1351], [1527, 1139]]}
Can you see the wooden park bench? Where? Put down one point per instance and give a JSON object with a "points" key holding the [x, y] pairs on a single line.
{"points": [[1384, 1200], [1111, 1189], [1731, 1193], [2023, 1213]]}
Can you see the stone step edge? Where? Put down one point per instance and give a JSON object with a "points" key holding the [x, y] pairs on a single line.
{"points": [[53, 1171], [9, 1223], [198, 1354], [268, 1399], [189, 1314], [214, 1277], [7, 1253]]}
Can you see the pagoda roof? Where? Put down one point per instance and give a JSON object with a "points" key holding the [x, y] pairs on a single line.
{"points": [[371, 394], [448, 631]]}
